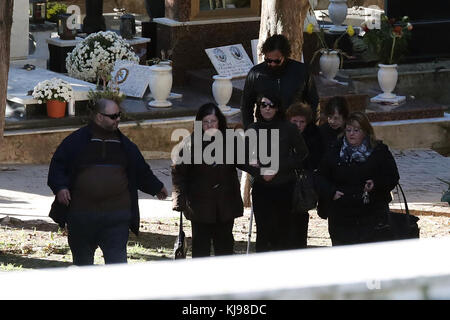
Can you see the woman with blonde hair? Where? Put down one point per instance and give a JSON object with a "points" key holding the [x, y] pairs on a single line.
{"points": [[356, 177]]}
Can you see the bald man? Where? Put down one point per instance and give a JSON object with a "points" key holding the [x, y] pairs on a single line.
{"points": [[95, 174]]}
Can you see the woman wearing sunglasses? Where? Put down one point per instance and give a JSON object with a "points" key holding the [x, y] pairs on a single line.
{"points": [[356, 177], [273, 189], [278, 75]]}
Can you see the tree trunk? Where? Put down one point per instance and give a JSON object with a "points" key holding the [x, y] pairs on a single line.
{"points": [[283, 17], [6, 13]]}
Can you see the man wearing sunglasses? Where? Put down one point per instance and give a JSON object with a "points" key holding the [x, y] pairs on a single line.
{"points": [[278, 76], [96, 173]]}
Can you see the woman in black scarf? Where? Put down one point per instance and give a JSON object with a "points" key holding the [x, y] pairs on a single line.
{"points": [[356, 177]]}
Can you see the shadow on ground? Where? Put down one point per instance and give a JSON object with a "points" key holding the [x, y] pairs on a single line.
{"points": [[31, 263]]}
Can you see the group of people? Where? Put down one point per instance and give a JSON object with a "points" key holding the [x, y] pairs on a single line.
{"points": [[97, 170], [353, 172]]}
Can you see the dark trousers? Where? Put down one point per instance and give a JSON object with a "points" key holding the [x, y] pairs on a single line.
{"points": [[220, 234], [272, 208], [299, 230], [107, 230]]}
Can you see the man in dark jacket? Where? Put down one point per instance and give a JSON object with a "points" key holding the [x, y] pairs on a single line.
{"points": [[96, 172], [278, 76]]}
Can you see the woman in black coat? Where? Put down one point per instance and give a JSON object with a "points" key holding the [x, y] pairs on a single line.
{"points": [[300, 114], [356, 177], [208, 191], [272, 191], [336, 113]]}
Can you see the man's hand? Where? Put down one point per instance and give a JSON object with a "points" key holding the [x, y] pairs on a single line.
{"points": [[63, 196], [162, 194], [337, 195]]}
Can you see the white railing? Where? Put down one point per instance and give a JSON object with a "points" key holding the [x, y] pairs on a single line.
{"points": [[412, 269]]}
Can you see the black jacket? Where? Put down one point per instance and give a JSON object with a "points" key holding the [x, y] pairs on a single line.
{"points": [[207, 193], [329, 136], [313, 140], [335, 175], [292, 83], [292, 149], [63, 169]]}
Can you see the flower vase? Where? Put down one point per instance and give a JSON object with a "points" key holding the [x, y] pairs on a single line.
{"points": [[387, 79], [337, 11], [56, 108], [160, 85], [222, 90], [329, 64]]}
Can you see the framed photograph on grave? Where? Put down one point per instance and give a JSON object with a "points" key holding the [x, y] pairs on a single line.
{"points": [[132, 79], [231, 61]]}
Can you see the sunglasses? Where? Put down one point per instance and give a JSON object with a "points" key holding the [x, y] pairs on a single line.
{"points": [[265, 105], [113, 116], [276, 61]]}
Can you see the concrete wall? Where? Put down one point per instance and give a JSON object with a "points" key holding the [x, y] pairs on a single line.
{"points": [[416, 134], [411, 269], [19, 30], [37, 147]]}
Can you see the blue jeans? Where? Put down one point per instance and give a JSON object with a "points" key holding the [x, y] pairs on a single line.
{"points": [[107, 230]]}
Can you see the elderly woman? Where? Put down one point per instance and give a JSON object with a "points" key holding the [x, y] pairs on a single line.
{"points": [[300, 114], [272, 191], [356, 177], [208, 193]]}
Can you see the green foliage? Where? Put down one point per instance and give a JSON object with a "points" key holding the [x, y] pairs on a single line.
{"points": [[389, 44], [55, 8], [107, 93]]}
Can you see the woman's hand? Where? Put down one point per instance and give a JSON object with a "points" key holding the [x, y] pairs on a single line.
{"points": [[338, 195], [268, 178], [369, 185]]}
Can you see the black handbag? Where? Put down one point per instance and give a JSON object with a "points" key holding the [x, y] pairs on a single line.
{"points": [[305, 196], [180, 246], [399, 226]]}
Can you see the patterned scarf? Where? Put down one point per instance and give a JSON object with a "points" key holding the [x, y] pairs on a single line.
{"points": [[351, 154]]}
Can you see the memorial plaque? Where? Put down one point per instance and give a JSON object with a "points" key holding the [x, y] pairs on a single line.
{"points": [[231, 61], [132, 79]]}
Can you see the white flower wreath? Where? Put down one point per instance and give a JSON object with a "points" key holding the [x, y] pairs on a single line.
{"points": [[97, 54], [54, 89]]}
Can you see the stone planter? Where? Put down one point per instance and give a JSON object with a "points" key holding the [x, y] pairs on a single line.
{"points": [[160, 85], [56, 108], [222, 90], [329, 64], [338, 12]]}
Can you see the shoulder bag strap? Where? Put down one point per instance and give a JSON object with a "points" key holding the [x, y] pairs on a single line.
{"points": [[181, 222], [404, 197]]}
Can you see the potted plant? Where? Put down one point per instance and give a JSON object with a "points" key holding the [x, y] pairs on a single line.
{"points": [[94, 57], [331, 58], [387, 45], [55, 93]]}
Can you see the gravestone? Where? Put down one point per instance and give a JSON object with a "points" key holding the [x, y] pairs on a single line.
{"points": [[431, 22], [230, 61], [94, 20], [19, 30]]}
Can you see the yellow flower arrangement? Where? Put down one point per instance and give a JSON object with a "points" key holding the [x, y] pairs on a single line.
{"points": [[324, 47]]}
